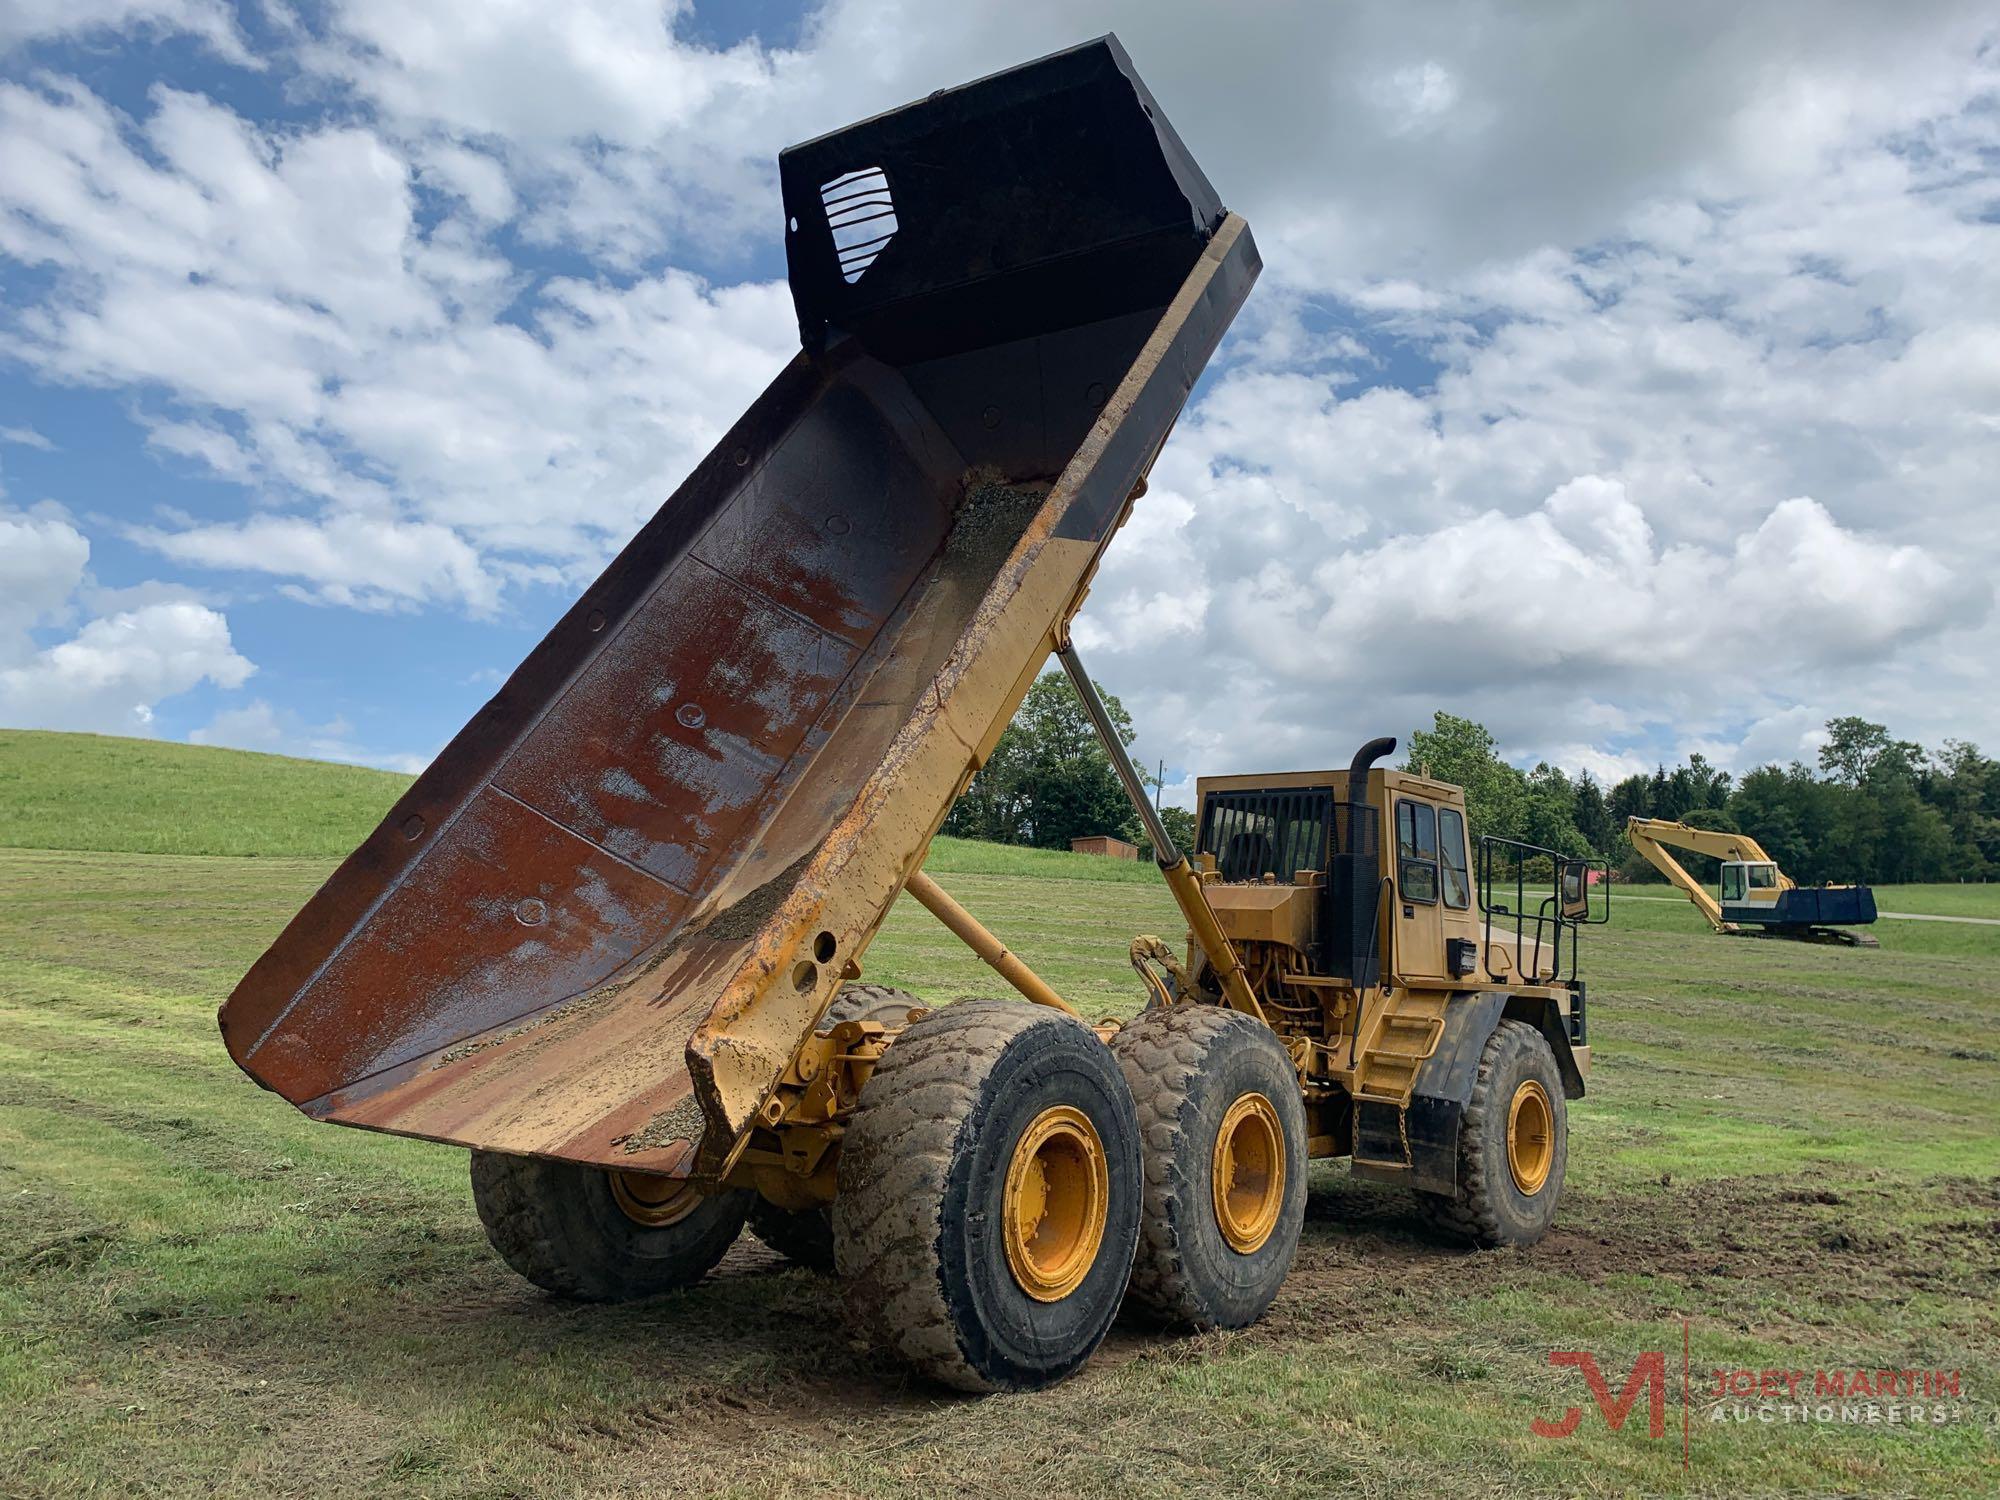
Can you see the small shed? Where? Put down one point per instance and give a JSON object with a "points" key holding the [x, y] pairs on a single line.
{"points": [[1105, 843]]}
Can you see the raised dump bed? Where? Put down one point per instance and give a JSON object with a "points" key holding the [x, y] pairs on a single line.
{"points": [[600, 925]]}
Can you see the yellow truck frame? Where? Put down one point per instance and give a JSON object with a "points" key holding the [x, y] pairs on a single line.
{"points": [[612, 939]]}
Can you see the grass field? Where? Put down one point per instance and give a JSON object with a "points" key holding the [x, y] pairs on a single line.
{"points": [[1791, 1152]]}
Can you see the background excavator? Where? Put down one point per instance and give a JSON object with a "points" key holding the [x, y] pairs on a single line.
{"points": [[1758, 898]]}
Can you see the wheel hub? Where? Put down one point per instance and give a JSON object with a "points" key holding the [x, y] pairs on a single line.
{"points": [[1248, 1175], [1531, 1137], [1055, 1204], [652, 1200]]}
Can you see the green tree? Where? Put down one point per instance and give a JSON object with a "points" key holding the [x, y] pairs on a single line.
{"points": [[1631, 798], [1465, 754], [1048, 779], [1550, 813], [1179, 824], [1766, 806], [1852, 747], [1591, 813], [1964, 786]]}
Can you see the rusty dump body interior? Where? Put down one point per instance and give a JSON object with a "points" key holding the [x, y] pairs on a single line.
{"points": [[602, 923]]}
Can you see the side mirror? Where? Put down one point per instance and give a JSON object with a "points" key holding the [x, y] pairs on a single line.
{"points": [[1575, 890]]}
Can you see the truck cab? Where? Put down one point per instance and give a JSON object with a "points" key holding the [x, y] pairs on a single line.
{"points": [[1370, 876]]}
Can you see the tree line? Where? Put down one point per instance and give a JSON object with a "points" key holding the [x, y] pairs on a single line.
{"points": [[1874, 808], [1048, 780]]}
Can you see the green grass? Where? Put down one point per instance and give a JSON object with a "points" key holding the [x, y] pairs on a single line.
{"points": [[1795, 1149], [91, 791]]}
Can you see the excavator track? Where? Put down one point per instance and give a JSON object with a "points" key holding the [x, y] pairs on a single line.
{"points": [[1836, 936]]}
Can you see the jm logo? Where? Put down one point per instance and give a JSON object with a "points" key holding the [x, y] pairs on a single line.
{"points": [[1649, 1375]]}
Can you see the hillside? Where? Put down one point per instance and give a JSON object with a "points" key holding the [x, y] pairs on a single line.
{"points": [[92, 791], [98, 792]]}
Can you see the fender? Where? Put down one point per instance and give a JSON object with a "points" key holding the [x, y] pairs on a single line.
{"points": [[1418, 1145]]}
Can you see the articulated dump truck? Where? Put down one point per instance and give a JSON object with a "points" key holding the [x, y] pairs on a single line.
{"points": [[612, 940]]}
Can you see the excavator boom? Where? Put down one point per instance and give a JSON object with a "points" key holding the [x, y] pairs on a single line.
{"points": [[1758, 898]]}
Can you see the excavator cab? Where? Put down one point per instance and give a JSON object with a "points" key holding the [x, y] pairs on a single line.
{"points": [[1752, 887]]}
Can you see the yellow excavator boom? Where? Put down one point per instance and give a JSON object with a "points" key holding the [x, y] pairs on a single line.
{"points": [[1652, 836]]}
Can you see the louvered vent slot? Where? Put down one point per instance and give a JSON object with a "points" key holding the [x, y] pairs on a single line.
{"points": [[862, 216]]}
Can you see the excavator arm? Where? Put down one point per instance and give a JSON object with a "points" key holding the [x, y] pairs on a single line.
{"points": [[1652, 837]]}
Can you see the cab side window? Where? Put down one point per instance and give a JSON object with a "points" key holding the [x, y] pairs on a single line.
{"points": [[1763, 877], [1417, 851], [1451, 844], [1732, 882]]}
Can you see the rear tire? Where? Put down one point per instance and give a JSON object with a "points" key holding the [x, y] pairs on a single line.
{"points": [[994, 1150], [1513, 1146], [1196, 1071], [871, 1002], [805, 1236], [600, 1236]]}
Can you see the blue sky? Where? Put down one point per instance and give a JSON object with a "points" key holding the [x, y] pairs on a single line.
{"points": [[1623, 379]]}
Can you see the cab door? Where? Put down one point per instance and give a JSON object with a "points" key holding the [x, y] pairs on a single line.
{"points": [[1419, 923]]}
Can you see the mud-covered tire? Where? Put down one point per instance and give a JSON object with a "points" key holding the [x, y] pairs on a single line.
{"points": [[1490, 1209], [1187, 1066], [869, 1002], [920, 1236], [805, 1236], [560, 1225]]}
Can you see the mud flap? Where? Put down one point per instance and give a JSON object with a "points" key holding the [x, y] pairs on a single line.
{"points": [[1418, 1146]]}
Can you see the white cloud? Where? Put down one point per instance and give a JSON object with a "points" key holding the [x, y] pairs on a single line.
{"points": [[24, 21], [141, 645], [1567, 309], [26, 437], [348, 559], [256, 725], [314, 340], [42, 558], [110, 674]]}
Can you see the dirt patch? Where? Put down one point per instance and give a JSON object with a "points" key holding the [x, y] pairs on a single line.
{"points": [[743, 917], [579, 1006], [1367, 1259], [680, 1121], [989, 521]]}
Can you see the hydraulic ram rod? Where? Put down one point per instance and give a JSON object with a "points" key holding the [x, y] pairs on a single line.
{"points": [[1174, 866], [969, 931]]}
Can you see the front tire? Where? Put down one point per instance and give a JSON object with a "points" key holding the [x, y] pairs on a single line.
{"points": [[1223, 1137], [989, 1197], [601, 1236], [1513, 1146]]}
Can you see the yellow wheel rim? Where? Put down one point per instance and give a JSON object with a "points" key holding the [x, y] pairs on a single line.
{"points": [[1058, 1192], [654, 1201], [1531, 1137], [1248, 1176]]}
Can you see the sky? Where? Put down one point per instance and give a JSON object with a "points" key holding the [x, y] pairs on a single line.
{"points": [[1626, 378]]}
